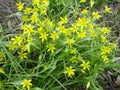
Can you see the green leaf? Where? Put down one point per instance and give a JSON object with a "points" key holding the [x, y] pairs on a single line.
{"points": [[36, 88], [88, 85], [17, 82], [1, 29]]}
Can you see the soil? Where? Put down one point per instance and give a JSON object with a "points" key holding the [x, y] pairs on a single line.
{"points": [[7, 8]]}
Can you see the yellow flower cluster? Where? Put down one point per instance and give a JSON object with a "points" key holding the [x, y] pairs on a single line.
{"points": [[105, 50], [80, 38]]}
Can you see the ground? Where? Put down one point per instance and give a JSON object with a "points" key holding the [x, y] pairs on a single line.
{"points": [[8, 7]]}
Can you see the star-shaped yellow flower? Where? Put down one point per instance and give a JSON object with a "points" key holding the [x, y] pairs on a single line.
{"points": [[20, 6], [27, 84], [85, 65], [70, 71]]}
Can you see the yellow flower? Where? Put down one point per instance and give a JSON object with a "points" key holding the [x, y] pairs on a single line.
{"points": [[17, 40], [93, 33], [105, 30], [51, 47], [40, 30], [22, 55], [85, 11], [70, 42], [96, 15], [27, 84], [82, 21], [79, 58], [74, 28], [81, 34], [104, 39], [73, 51], [105, 50], [62, 29], [49, 22], [107, 10], [34, 17], [67, 32], [29, 39], [43, 11], [63, 20], [85, 65], [43, 36], [54, 35], [82, 1], [45, 2], [12, 46], [34, 10], [1, 70], [27, 10], [20, 6], [105, 58], [74, 59], [36, 2], [25, 18], [26, 48], [28, 29], [70, 71]]}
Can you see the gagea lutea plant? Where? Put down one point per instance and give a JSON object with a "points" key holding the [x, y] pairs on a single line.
{"points": [[60, 54]]}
